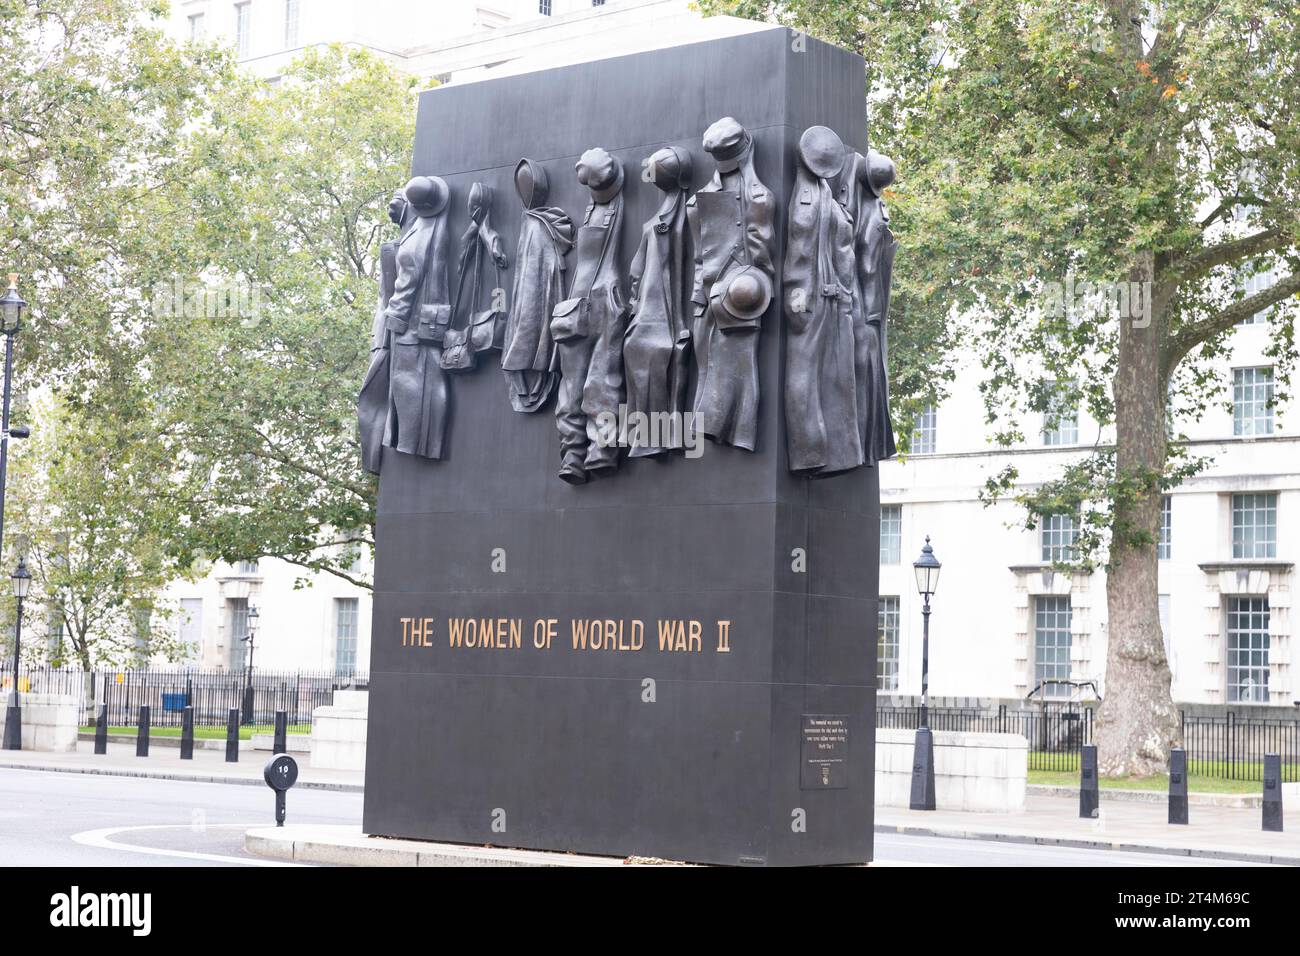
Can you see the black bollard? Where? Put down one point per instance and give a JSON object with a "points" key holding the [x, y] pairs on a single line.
{"points": [[101, 730], [142, 733], [1178, 785], [187, 734], [232, 736], [1273, 792], [1089, 785], [922, 796], [281, 744]]}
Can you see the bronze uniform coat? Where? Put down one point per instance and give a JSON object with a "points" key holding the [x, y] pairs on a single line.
{"points": [[528, 354], [875, 246], [822, 433], [372, 402], [658, 336], [732, 224], [418, 406]]}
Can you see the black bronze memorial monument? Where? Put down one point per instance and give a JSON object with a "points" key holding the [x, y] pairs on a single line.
{"points": [[628, 526]]}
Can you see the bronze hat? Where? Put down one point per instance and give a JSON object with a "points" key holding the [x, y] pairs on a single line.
{"points": [[601, 173], [727, 142], [879, 172], [427, 195], [822, 151], [671, 168]]}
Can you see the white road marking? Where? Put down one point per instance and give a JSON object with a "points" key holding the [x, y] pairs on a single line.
{"points": [[101, 839]]}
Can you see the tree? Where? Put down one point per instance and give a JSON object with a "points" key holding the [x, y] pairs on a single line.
{"points": [[79, 512], [1143, 152], [277, 223]]}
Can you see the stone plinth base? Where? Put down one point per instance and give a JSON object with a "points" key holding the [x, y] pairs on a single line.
{"points": [[49, 721], [338, 732], [986, 772]]}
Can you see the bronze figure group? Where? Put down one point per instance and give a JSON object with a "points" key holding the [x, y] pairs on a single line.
{"points": [[699, 285]]}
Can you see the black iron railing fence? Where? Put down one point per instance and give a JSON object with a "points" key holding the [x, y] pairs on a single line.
{"points": [[1230, 746], [212, 693], [1056, 731]]}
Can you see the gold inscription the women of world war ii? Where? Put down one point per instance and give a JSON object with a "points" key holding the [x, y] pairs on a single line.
{"points": [[674, 636]]}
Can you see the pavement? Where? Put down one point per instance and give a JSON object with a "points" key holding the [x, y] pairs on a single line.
{"points": [[1214, 832], [165, 763]]}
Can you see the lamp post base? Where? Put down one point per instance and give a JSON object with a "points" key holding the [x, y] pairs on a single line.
{"points": [[923, 771], [246, 717], [13, 727]]}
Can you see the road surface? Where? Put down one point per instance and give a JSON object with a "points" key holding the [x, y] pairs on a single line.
{"points": [[71, 819]]}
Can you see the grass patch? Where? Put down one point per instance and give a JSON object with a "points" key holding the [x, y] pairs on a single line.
{"points": [[205, 733], [1159, 781], [1204, 776]]}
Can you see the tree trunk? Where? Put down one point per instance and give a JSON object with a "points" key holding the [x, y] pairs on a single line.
{"points": [[1137, 722]]}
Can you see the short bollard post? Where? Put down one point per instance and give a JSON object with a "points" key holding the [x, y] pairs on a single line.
{"points": [[281, 743], [142, 733], [1089, 785], [187, 734], [1178, 785], [101, 730], [232, 736], [280, 773], [1273, 792]]}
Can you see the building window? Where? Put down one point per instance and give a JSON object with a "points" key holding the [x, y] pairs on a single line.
{"points": [[891, 534], [1058, 536], [1060, 420], [926, 436], [1253, 284], [1254, 526], [190, 630], [1164, 547], [887, 644], [345, 635], [246, 567], [1248, 650], [290, 24], [1052, 617], [1252, 401], [197, 29], [243, 24], [544, 7], [238, 647]]}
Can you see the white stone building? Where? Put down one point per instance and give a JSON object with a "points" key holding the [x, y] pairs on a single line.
{"points": [[1003, 620]]}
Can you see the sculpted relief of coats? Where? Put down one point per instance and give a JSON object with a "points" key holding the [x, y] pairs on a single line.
{"points": [[701, 280]]}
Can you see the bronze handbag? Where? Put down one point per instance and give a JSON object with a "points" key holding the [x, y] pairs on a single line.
{"points": [[485, 328], [571, 319]]}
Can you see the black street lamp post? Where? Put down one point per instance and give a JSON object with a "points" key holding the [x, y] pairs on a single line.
{"points": [[927, 582], [247, 716], [12, 307], [22, 581]]}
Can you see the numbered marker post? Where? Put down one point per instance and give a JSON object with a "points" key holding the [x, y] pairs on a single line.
{"points": [[280, 774]]}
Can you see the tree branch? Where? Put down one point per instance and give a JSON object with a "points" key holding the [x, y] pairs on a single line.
{"points": [[1200, 262], [1194, 333]]}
